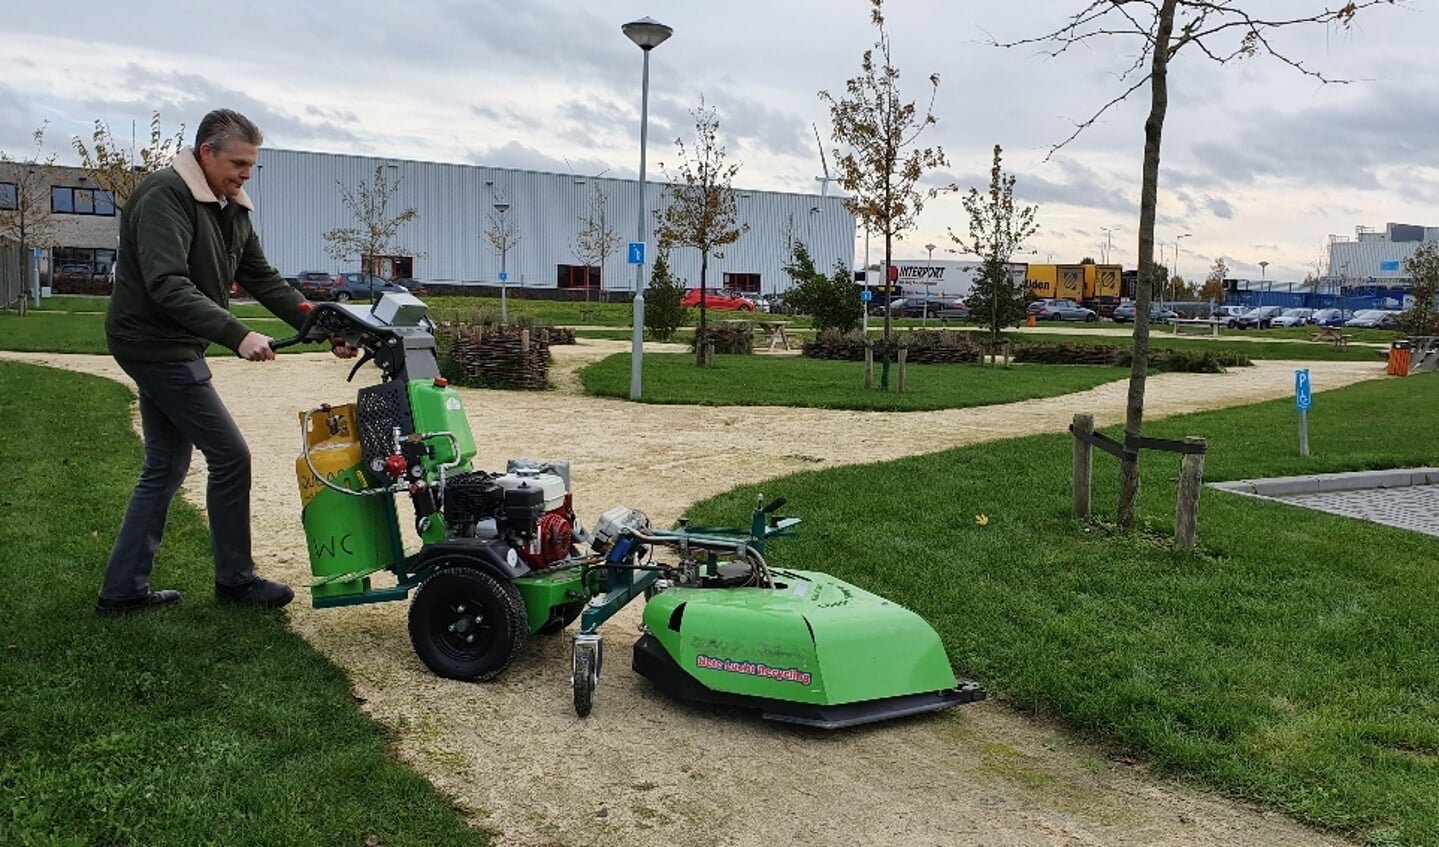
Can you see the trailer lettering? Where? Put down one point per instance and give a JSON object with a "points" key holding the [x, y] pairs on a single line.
{"points": [[758, 669]]}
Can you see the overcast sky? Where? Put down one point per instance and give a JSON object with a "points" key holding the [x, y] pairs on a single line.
{"points": [[1260, 162]]}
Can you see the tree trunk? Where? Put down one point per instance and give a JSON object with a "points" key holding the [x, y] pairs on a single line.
{"points": [[1148, 202], [701, 338]]}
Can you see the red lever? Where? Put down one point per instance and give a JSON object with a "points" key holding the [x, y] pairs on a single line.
{"points": [[307, 307], [441, 382], [396, 466]]}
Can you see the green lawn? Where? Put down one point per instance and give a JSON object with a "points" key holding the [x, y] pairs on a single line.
{"points": [[672, 378], [196, 725], [1293, 661]]}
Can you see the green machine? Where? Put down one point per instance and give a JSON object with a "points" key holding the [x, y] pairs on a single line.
{"points": [[503, 557]]}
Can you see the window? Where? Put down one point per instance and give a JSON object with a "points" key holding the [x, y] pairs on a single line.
{"points": [[744, 283], [9, 196], [578, 276], [82, 261], [66, 200]]}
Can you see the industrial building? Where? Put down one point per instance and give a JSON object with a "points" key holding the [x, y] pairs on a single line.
{"points": [[1376, 258], [298, 198]]}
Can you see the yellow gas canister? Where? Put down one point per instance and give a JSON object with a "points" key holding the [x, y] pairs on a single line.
{"points": [[349, 535]]}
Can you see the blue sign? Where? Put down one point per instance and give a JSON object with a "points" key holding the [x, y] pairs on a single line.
{"points": [[865, 296], [637, 252], [1301, 389], [1389, 266], [504, 276]]}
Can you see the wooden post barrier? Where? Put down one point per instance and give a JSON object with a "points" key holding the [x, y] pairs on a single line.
{"points": [[1083, 465], [903, 354], [868, 365], [1006, 354], [1191, 480]]}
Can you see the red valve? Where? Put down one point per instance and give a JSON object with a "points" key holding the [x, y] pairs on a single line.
{"points": [[441, 382], [307, 307], [396, 466]]}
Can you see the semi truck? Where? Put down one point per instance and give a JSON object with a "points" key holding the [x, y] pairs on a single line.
{"points": [[1095, 286]]}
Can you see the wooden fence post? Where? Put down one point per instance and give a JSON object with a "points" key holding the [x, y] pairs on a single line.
{"points": [[1006, 353], [709, 354], [1083, 465], [524, 340], [868, 365], [1191, 478], [903, 354]]}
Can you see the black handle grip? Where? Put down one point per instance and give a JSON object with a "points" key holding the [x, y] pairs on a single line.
{"points": [[776, 503]]}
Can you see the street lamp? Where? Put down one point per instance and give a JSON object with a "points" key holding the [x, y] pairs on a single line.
{"points": [[1108, 240], [1175, 273], [1263, 265], [647, 34], [924, 315], [504, 234]]}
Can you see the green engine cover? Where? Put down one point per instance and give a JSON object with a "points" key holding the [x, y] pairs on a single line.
{"points": [[812, 639], [436, 408]]}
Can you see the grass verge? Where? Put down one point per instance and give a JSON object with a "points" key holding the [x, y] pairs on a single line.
{"points": [[1292, 661], [672, 378], [196, 725]]}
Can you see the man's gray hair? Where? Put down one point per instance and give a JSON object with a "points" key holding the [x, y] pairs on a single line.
{"points": [[222, 127]]}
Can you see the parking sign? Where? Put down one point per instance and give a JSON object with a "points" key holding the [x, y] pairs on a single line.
{"points": [[1301, 389]]}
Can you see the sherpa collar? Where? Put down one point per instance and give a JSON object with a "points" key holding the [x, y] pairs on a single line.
{"points": [[188, 167]]}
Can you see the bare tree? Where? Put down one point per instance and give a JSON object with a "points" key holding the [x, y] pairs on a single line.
{"points": [[120, 169], [699, 208], [997, 228], [1220, 31], [880, 162], [502, 234], [25, 212], [377, 229], [597, 239]]}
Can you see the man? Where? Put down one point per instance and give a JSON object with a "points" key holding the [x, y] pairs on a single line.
{"points": [[184, 236]]}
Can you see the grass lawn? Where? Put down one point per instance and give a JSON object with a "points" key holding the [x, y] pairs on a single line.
{"points": [[190, 726], [1294, 661], [672, 378]]}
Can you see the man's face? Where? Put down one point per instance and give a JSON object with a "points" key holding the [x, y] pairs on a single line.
{"points": [[227, 170]]}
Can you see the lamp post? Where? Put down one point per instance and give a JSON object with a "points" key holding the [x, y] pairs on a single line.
{"points": [[1175, 274], [1262, 267], [924, 316], [1108, 240], [504, 255], [647, 34]]}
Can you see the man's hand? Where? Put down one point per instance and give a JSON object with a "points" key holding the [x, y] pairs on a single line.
{"points": [[256, 348], [342, 349]]}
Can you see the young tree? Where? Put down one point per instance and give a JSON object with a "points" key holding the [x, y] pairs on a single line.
{"points": [[376, 232], [1222, 32], [120, 169], [880, 163], [597, 239], [664, 311], [1422, 318], [831, 301], [699, 208], [997, 228], [25, 215], [1213, 288]]}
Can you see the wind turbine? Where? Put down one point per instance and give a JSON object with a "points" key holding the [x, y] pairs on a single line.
{"points": [[825, 180]]}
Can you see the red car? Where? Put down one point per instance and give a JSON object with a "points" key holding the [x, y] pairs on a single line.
{"points": [[718, 298]]}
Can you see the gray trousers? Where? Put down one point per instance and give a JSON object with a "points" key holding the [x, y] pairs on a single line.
{"points": [[179, 411]]}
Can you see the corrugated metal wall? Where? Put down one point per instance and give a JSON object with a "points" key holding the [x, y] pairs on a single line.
{"points": [[297, 198]]}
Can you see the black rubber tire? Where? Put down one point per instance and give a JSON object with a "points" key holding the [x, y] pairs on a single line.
{"points": [[744, 309], [561, 617], [584, 683], [1056, 317], [342, 297], [1089, 319], [493, 614]]}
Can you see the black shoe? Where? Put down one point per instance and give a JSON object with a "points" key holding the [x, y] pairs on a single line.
{"points": [[258, 592], [148, 600]]}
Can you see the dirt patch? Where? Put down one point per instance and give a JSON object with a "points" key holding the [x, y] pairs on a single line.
{"points": [[643, 770]]}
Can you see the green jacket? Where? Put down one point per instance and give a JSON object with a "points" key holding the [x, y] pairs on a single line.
{"points": [[179, 252]]}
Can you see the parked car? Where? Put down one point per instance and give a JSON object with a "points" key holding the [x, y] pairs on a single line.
{"points": [[1330, 317], [345, 287], [718, 298], [316, 285], [953, 310], [1228, 315], [1124, 313], [1060, 310], [1260, 318], [1293, 317], [1372, 319]]}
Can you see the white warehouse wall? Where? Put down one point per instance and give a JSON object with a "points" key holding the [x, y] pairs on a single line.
{"points": [[297, 199]]}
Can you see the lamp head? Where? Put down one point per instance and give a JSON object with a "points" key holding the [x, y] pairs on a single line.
{"points": [[502, 207], [647, 33]]}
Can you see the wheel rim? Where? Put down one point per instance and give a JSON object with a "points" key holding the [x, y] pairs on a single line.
{"points": [[342, 297], [462, 629]]}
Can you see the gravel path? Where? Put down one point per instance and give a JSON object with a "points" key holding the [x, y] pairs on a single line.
{"points": [[642, 770]]}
